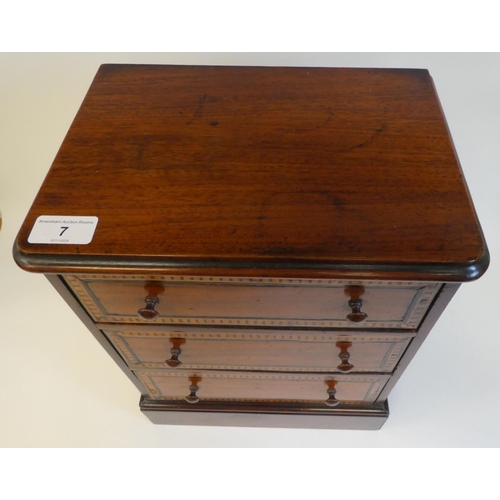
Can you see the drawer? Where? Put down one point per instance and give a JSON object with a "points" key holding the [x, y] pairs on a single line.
{"points": [[273, 302], [321, 388], [164, 347]]}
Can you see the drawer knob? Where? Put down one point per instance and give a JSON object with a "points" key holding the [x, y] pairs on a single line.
{"points": [[149, 311], [192, 397], [356, 316], [344, 355], [331, 401], [174, 360]]}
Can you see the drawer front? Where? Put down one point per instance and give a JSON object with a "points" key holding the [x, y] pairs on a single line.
{"points": [[270, 302], [160, 348], [265, 387]]}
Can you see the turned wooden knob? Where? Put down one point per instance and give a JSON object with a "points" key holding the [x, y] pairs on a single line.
{"points": [[192, 397], [331, 401], [175, 352], [174, 360], [344, 355], [356, 316], [149, 313]]}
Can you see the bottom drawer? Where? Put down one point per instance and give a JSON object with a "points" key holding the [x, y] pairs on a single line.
{"points": [[266, 387]]}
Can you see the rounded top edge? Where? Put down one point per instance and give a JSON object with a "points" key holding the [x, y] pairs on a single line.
{"points": [[438, 272]]}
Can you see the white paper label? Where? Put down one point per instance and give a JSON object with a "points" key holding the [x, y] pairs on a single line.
{"points": [[63, 230]]}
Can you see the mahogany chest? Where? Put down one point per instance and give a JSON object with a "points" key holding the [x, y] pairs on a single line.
{"points": [[256, 245]]}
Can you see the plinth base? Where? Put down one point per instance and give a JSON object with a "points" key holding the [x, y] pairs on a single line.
{"points": [[204, 413]]}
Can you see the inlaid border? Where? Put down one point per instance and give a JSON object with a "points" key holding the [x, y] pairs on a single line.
{"points": [[254, 281], [388, 363], [377, 383], [415, 312]]}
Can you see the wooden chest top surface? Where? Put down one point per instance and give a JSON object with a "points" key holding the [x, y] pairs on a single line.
{"points": [[302, 171]]}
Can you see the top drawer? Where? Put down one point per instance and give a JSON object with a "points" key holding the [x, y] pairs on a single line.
{"points": [[271, 302]]}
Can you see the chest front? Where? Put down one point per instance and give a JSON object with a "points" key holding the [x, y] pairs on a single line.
{"points": [[257, 246]]}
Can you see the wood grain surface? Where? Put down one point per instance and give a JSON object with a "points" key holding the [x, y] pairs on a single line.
{"points": [[270, 387], [271, 302], [287, 169], [240, 349]]}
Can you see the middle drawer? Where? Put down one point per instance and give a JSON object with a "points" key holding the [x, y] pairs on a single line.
{"points": [[174, 347]]}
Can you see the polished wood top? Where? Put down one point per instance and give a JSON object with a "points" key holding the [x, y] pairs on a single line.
{"points": [[261, 171]]}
